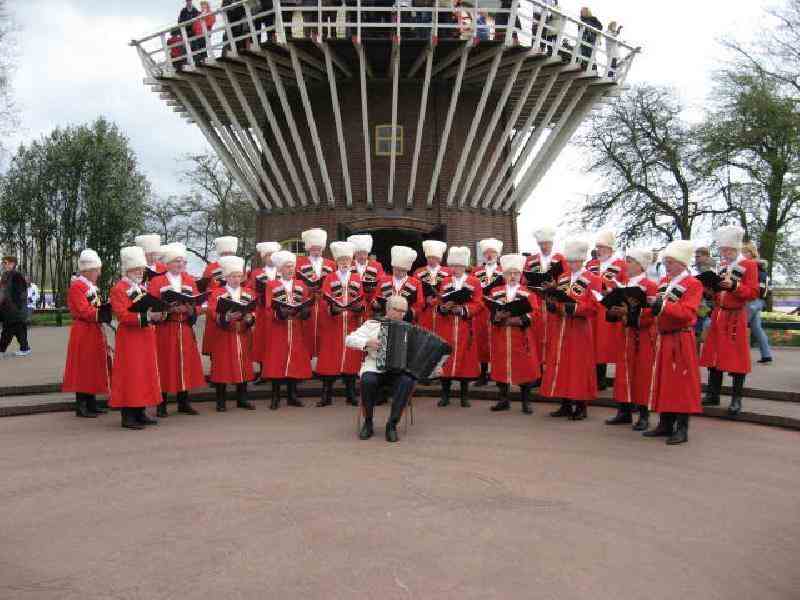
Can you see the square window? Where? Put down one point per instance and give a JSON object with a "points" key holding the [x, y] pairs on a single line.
{"points": [[383, 140]]}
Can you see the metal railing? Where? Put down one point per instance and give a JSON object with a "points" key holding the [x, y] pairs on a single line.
{"points": [[244, 25]]}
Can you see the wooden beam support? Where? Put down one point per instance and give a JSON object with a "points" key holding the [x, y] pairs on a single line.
{"points": [[337, 115], [394, 67], [420, 125], [422, 58], [362, 63]]}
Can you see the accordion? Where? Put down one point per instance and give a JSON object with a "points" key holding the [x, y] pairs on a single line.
{"points": [[406, 348]]}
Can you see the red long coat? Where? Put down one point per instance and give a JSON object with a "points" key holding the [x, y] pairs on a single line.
{"points": [[411, 290], [458, 331], [609, 337], [290, 354], [634, 372], [212, 272], [727, 346], [569, 371], [515, 357], [334, 357], [135, 381], [86, 370], [483, 330], [231, 361], [261, 331], [179, 364], [428, 315], [675, 386], [305, 270], [537, 264], [370, 275]]}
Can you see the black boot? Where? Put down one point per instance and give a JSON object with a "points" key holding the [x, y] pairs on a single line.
{"points": [[465, 403], [502, 403], [366, 430], [681, 433], [736, 398], [565, 410], [713, 388], [143, 418], [580, 413], [350, 390], [91, 404], [184, 405], [664, 427], [161, 411], [484, 377], [276, 395], [391, 431], [327, 393], [623, 415], [220, 387], [644, 419], [445, 399], [291, 394], [129, 419], [241, 397], [82, 406], [525, 395], [601, 370]]}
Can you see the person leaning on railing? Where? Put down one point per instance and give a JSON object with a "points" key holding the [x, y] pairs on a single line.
{"points": [[589, 37], [234, 16], [197, 29]]}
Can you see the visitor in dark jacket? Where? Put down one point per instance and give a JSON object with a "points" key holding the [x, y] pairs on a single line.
{"points": [[589, 37], [13, 308]]}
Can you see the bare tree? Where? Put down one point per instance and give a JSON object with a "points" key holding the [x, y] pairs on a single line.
{"points": [[8, 110]]}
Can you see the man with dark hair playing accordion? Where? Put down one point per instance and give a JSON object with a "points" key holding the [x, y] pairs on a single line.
{"points": [[365, 338]]}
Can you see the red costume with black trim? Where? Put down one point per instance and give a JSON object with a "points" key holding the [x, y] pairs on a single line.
{"points": [[409, 288], [289, 356], [515, 357], [87, 369], [213, 273], [541, 263], [334, 357], [371, 273], [675, 384], [634, 371], [727, 346], [134, 380], [313, 279], [483, 330], [428, 316], [609, 337], [257, 282], [231, 361], [457, 329], [179, 365], [569, 371]]}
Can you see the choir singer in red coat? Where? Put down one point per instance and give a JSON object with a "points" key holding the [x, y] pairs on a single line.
{"points": [[312, 271], [151, 244], [87, 371], [212, 279], [490, 275], [432, 274], [400, 283], [257, 282], [135, 383], [370, 271]]}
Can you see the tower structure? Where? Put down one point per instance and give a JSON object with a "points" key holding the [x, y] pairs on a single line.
{"points": [[406, 122]]}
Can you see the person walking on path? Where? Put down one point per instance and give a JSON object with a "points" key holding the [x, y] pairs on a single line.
{"points": [[13, 308]]}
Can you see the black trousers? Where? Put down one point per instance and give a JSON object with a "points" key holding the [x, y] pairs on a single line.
{"points": [[402, 387], [14, 330]]}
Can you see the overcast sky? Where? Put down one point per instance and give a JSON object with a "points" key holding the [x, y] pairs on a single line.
{"points": [[75, 64]]}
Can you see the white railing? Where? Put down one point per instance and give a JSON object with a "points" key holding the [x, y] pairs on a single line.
{"points": [[244, 25]]}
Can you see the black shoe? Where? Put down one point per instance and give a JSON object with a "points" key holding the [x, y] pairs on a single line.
{"points": [[129, 419], [623, 416], [445, 399], [82, 409], [465, 403], [713, 388], [143, 418], [735, 407], [221, 397], [324, 402], [525, 396], [391, 432], [366, 430], [294, 402], [644, 419], [681, 433], [292, 395], [736, 397], [663, 429], [91, 404], [185, 407], [580, 413], [246, 404], [501, 406], [765, 361], [161, 411], [565, 410], [221, 406]]}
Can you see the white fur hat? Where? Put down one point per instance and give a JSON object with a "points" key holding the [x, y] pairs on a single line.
{"points": [[89, 260], [512, 261], [231, 264], [226, 244], [150, 242], [314, 237], [576, 250], [362, 243], [643, 256], [729, 236], [342, 249], [172, 252], [403, 257], [490, 244], [606, 238], [433, 248], [680, 250], [267, 247], [458, 256], [132, 257], [281, 257], [545, 233]]}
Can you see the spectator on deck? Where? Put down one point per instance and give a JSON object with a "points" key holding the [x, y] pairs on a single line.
{"points": [[197, 29], [755, 307], [234, 16], [177, 49], [589, 37], [612, 47], [13, 308], [189, 12]]}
